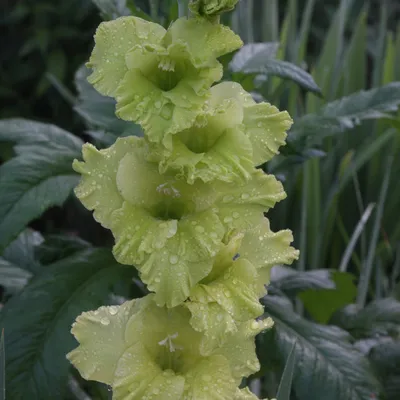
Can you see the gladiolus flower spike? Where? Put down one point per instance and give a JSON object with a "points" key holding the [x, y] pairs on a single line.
{"points": [[186, 206]]}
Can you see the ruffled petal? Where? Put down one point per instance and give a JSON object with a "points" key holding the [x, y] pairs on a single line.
{"points": [[213, 321], [205, 41], [138, 376], [245, 394], [240, 349], [264, 124], [242, 204], [264, 248], [98, 189], [171, 256], [210, 379], [101, 337], [266, 128], [113, 40], [162, 113]]}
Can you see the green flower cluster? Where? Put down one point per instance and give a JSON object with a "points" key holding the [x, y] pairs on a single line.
{"points": [[186, 206]]}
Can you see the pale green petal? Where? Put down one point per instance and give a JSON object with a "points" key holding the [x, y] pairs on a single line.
{"points": [[264, 124], [172, 256], [98, 189], [264, 248], [205, 41], [239, 349], [215, 323], [138, 376], [245, 394], [217, 148], [241, 205], [162, 113], [266, 128], [164, 331], [113, 39], [210, 379], [101, 337], [236, 291]]}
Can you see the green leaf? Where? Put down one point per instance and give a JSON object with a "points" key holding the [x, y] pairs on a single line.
{"points": [[322, 304], [331, 368], [379, 318], [386, 359], [39, 177], [347, 112], [98, 111], [291, 282], [37, 322], [21, 252], [253, 55], [285, 70], [287, 377]]}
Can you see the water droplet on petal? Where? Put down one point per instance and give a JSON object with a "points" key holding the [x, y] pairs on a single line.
{"points": [[173, 259], [113, 310], [105, 321]]}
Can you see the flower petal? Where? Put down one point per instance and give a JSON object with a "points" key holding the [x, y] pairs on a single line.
{"points": [[264, 248], [239, 349], [213, 321], [210, 379], [242, 204], [138, 375], [98, 189], [244, 394], [264, 124], [266, 128], [101, 335], [163, 113], [171, 256], [113, 39], [205, 41]]}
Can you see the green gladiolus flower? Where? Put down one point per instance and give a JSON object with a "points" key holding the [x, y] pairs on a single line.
{"points": [[159, 78], [230, 294], [170, 230], [148, 352], [236, 135], [210, 8]]}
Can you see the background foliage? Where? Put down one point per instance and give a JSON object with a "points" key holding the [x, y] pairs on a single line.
{"points": [[334, 66]]}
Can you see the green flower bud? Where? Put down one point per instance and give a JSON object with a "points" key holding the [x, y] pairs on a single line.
{"points": [[211, 8]]}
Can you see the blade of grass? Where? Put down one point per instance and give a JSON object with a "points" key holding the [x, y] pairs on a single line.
{"points": [[368, 266], [2, 368], [360, 204], [354, 237], [270, 21], [287, 376]]}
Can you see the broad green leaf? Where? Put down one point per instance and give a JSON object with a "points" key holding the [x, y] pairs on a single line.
{"points": [[37, 322], [347, 112], [321, 304], [386, 359], [291, 282], [21, 252], [57, 247], [285, 70], [39, 177], [253, 55], [331, 368], [99, 112], [379, 318]]}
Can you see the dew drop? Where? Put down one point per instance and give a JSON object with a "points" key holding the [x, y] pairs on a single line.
{"points": [[173, 259], [113, 310], [105, 321], [245, 196]]}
